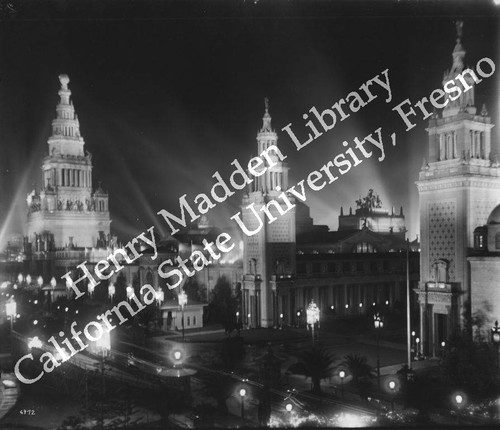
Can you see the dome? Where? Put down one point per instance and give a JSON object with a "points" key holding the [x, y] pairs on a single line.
{"points": [[494, 217]]}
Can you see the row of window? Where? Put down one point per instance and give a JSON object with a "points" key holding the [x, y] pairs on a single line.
{"points": [[348, 267]]}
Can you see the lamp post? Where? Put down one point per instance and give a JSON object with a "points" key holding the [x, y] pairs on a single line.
{"points": [[281, 321], [342, 376], [111, 291], [182, 302], [160, 297], [417, 341], [495, 338], [459, 401], [392, 387], [243, 393], [11, 312], [312, 313], [378, 322], [103, 345]]}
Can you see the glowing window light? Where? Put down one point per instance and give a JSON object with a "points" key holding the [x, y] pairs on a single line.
{"points": [[53, 282]]}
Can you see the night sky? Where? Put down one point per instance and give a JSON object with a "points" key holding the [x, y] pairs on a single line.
{"points": [[168, 94]]}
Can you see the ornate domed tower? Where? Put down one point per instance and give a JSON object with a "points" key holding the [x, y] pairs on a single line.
{"points": [[67, 212], [270, 253], [458, 188]]}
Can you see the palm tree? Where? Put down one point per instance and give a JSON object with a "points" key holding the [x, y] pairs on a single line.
{"points": [[361, 371], [317, 364]]}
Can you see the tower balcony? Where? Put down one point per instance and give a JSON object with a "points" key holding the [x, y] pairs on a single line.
{"points": [[445, 287]]}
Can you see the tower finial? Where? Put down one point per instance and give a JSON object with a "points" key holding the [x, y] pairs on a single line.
{"points": [[266, 119], [460, 28], [64, 80]]}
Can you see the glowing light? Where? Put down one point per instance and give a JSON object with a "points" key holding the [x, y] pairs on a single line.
{"points": [[289, 407], [15, 287], [413, 333], [35, 343], [111, 290], [69, 283], [39, 281], [387, 302], [35, 322], [20, 278], [361, 305], [177, 355], [332, 307], [243, 392], [182, 299], [392, 385], [342, 374], [346, 306], [53, 282], [11, 307], [28, 279], [35, 302], [459, 399], [130, 291]]}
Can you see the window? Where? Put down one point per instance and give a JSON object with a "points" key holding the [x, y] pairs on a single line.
{"points": [[331, 267], [188, 321], [373, 266], [194, 320], [359, 266], [316, 267], [386, 266], [364, 247], [346, 267], [301, 268]]}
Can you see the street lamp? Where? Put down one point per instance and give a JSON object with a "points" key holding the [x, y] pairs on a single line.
{"points": [[111, 291], [11, 311], [243, 393], [342, 376], [417, 341], [281, 321], [289, 407], [312, 313], [495, 338], [182, 298], [392, 387], [459, 401], [378, 322], [130, 291], [103, 345]]}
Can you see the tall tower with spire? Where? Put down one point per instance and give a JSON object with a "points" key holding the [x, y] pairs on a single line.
{"points": [[269, 255], [67, 211], [458, 186]]}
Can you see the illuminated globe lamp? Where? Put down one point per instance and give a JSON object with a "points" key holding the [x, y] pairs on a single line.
{"points": [[312, 314], [459, 400], [289, 407], [160, 296], [111, 291], [342, 375], [378, 323], [243, 393], [130, 291], [182, 299], [11, 310], [392, 386]]}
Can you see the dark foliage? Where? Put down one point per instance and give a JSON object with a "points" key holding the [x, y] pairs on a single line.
{"points": [[317, 364]]}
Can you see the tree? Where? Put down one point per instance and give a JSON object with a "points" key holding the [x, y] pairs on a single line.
{"points": [[470, 365], [223, 305], [361, 372], [220, 388], [317, 364], [358, 367]]}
